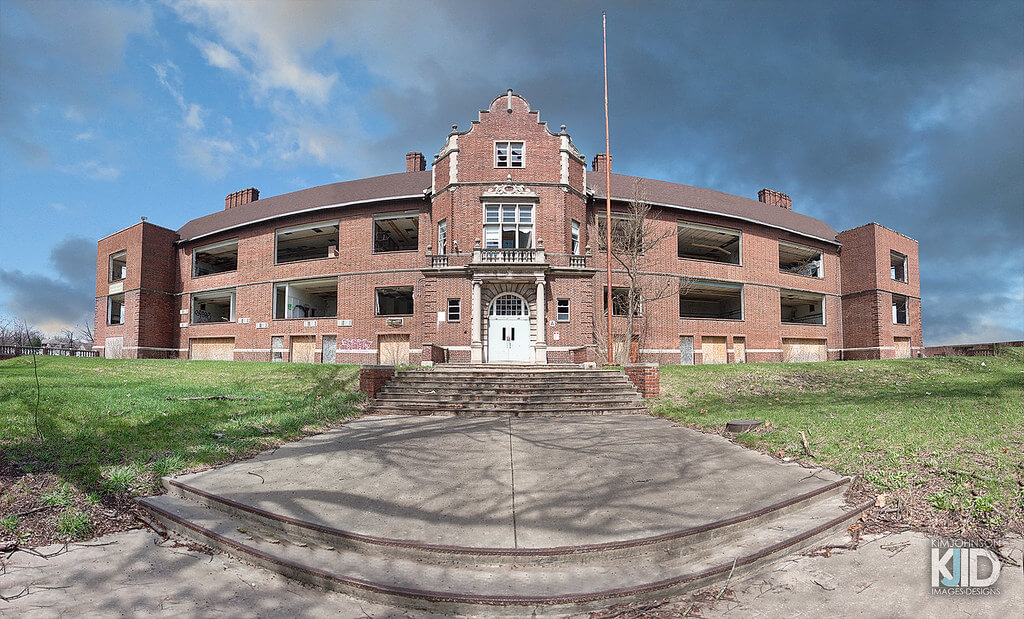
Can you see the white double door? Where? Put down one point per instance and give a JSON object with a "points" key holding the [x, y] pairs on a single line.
{"points": [[508, 339]]}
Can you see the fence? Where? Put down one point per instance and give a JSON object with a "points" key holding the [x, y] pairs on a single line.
{"points": [[7, 352]]}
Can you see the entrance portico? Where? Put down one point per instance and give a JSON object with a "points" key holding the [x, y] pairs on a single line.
{"points": [[509, 313]]}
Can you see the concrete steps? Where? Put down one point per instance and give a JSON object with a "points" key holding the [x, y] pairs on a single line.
{"points": [[512, 390], [519, 581]]}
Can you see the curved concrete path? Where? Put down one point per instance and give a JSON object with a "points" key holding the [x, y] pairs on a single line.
{"points": [[509, 482]]}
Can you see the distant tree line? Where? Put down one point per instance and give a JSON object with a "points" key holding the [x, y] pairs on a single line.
{"points": [[18, 332]]}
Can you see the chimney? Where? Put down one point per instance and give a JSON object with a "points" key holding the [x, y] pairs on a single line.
{"points": [[774, 198], [599, 162], [415, 162], [239, 198]]}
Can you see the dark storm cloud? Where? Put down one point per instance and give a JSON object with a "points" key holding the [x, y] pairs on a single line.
{"points": [[51, 303]]}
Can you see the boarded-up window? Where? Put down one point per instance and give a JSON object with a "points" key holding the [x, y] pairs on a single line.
{"points": [[795, 350], [393, 349], [303, 347], [714, 350], [212, 349], [330, 349], [114, 348], [739, 349], [902, 345], [686, 350], [277, 348]]}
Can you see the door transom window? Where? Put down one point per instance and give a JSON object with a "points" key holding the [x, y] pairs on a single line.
{"points": [[509, 305]]}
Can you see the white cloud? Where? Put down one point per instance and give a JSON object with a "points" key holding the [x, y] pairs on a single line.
{"points": [[170, 77], [217, 56], [211, 157]]}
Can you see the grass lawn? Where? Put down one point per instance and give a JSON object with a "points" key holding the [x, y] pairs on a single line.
{"points": [[942, 438], [108, 431]]}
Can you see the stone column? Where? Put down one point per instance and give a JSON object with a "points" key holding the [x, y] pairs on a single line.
{"points": [[541, 345], [477, 347]]}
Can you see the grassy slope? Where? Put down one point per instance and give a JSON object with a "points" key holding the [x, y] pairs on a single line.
{"points": [[109, 431], [944, 435]]}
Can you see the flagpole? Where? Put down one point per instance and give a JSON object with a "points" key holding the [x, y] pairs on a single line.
{"points": [[608, 191]]}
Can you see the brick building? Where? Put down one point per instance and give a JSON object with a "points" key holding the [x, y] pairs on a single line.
{"points": [[496, 254]]}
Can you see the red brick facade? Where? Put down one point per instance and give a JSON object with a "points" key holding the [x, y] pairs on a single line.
{"points": [[544, 174]]}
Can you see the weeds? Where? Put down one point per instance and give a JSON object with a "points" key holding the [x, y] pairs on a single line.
{"points": [[74, 524]]}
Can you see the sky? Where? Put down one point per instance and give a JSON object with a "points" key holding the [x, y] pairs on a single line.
{"points": [[908, 114]]}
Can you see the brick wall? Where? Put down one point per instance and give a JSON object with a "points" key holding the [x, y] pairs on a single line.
{"points": [[646, 378], [372, 378]]}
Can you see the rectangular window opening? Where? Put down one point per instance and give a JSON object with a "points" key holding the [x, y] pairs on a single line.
{"points": [[217, 258], [396, 232], [717, 300], [897, 266], [394, 301], [118, 266], [804, 308], [508, 154], [627, 234], [218, 306], [316, 298], [799, 260], [698, 242], [899, 309], [115, 309], [454, 310], [508, 226], [442, 236], [562, 310], [575, 238], [620, 301], [309, 242]]}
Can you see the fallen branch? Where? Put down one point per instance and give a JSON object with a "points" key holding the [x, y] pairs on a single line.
{"points": [[807, 447], [32, 511], [726, 586], [211, 397]]}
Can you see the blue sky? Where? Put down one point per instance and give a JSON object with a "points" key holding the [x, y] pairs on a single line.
{"points": [[909, 114]]}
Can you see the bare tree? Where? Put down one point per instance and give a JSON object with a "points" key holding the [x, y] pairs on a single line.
{"points": [[636, 234], [66, 338], [85, 334]]}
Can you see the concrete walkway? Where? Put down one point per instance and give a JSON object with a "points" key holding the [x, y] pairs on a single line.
{"points": [[501, 482]]}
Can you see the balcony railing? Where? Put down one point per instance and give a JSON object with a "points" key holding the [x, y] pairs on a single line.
{"points": [[515, 256], [496, 256]]}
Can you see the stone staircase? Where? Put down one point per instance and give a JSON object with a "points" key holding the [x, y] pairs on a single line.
{"points": [[517, 581], [508, 390]]}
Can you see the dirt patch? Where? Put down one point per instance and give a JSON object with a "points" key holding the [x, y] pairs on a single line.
{"points": [[760, 385]]}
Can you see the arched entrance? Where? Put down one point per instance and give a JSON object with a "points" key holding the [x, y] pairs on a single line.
{"points": [[508, 329]]}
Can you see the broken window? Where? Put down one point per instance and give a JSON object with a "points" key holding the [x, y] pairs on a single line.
{"points": [[718, 300], [307, 242], [218, 258], [394, 301], [396, 232], [574, 247], [562, 310], [454, 310], [620, 302], [899, 309], [115, 309], [218, 306], [897, 266], [442, 236], [118, 266], [699, 242], [799, 260], [316, 298], [508, 226], [627, 234], [805, 308], [508, 154]]}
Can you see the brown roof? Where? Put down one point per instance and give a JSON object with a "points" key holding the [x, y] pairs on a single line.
{"points": [[715, 202], [413, 184], [389, 186]]}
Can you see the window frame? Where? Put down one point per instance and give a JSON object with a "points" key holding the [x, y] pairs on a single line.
{"points": [[819, 297], [559, 313], [218, 245], [574, 238], [500, 224], [625, 289], [287, 283], [199, 296], [407, 214], [458, 310], [599, 218], [299, 228], [508, 146], [895, 309], [717, 284], [821, 259], [376, 301], [680, 224], [442, 236], [110, 307], [110, 266], [906, 267]]}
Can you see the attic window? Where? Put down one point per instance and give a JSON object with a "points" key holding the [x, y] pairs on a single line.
{"points": [[897, 266], [118, 267], [218, 258], [698, 242], [308, 242], [508, 154], [396, 232], [799, 260]]}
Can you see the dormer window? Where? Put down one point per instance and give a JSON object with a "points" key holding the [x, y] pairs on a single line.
{"points": [[508, 154]]}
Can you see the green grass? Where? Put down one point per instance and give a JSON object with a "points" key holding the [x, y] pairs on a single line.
{"points": [[74, 524], [947, 428], [107, 426]]}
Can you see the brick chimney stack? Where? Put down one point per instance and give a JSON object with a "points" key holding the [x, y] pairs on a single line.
{"points": [[599, 162], [415, 162], [239, 198], [774, 198]]}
